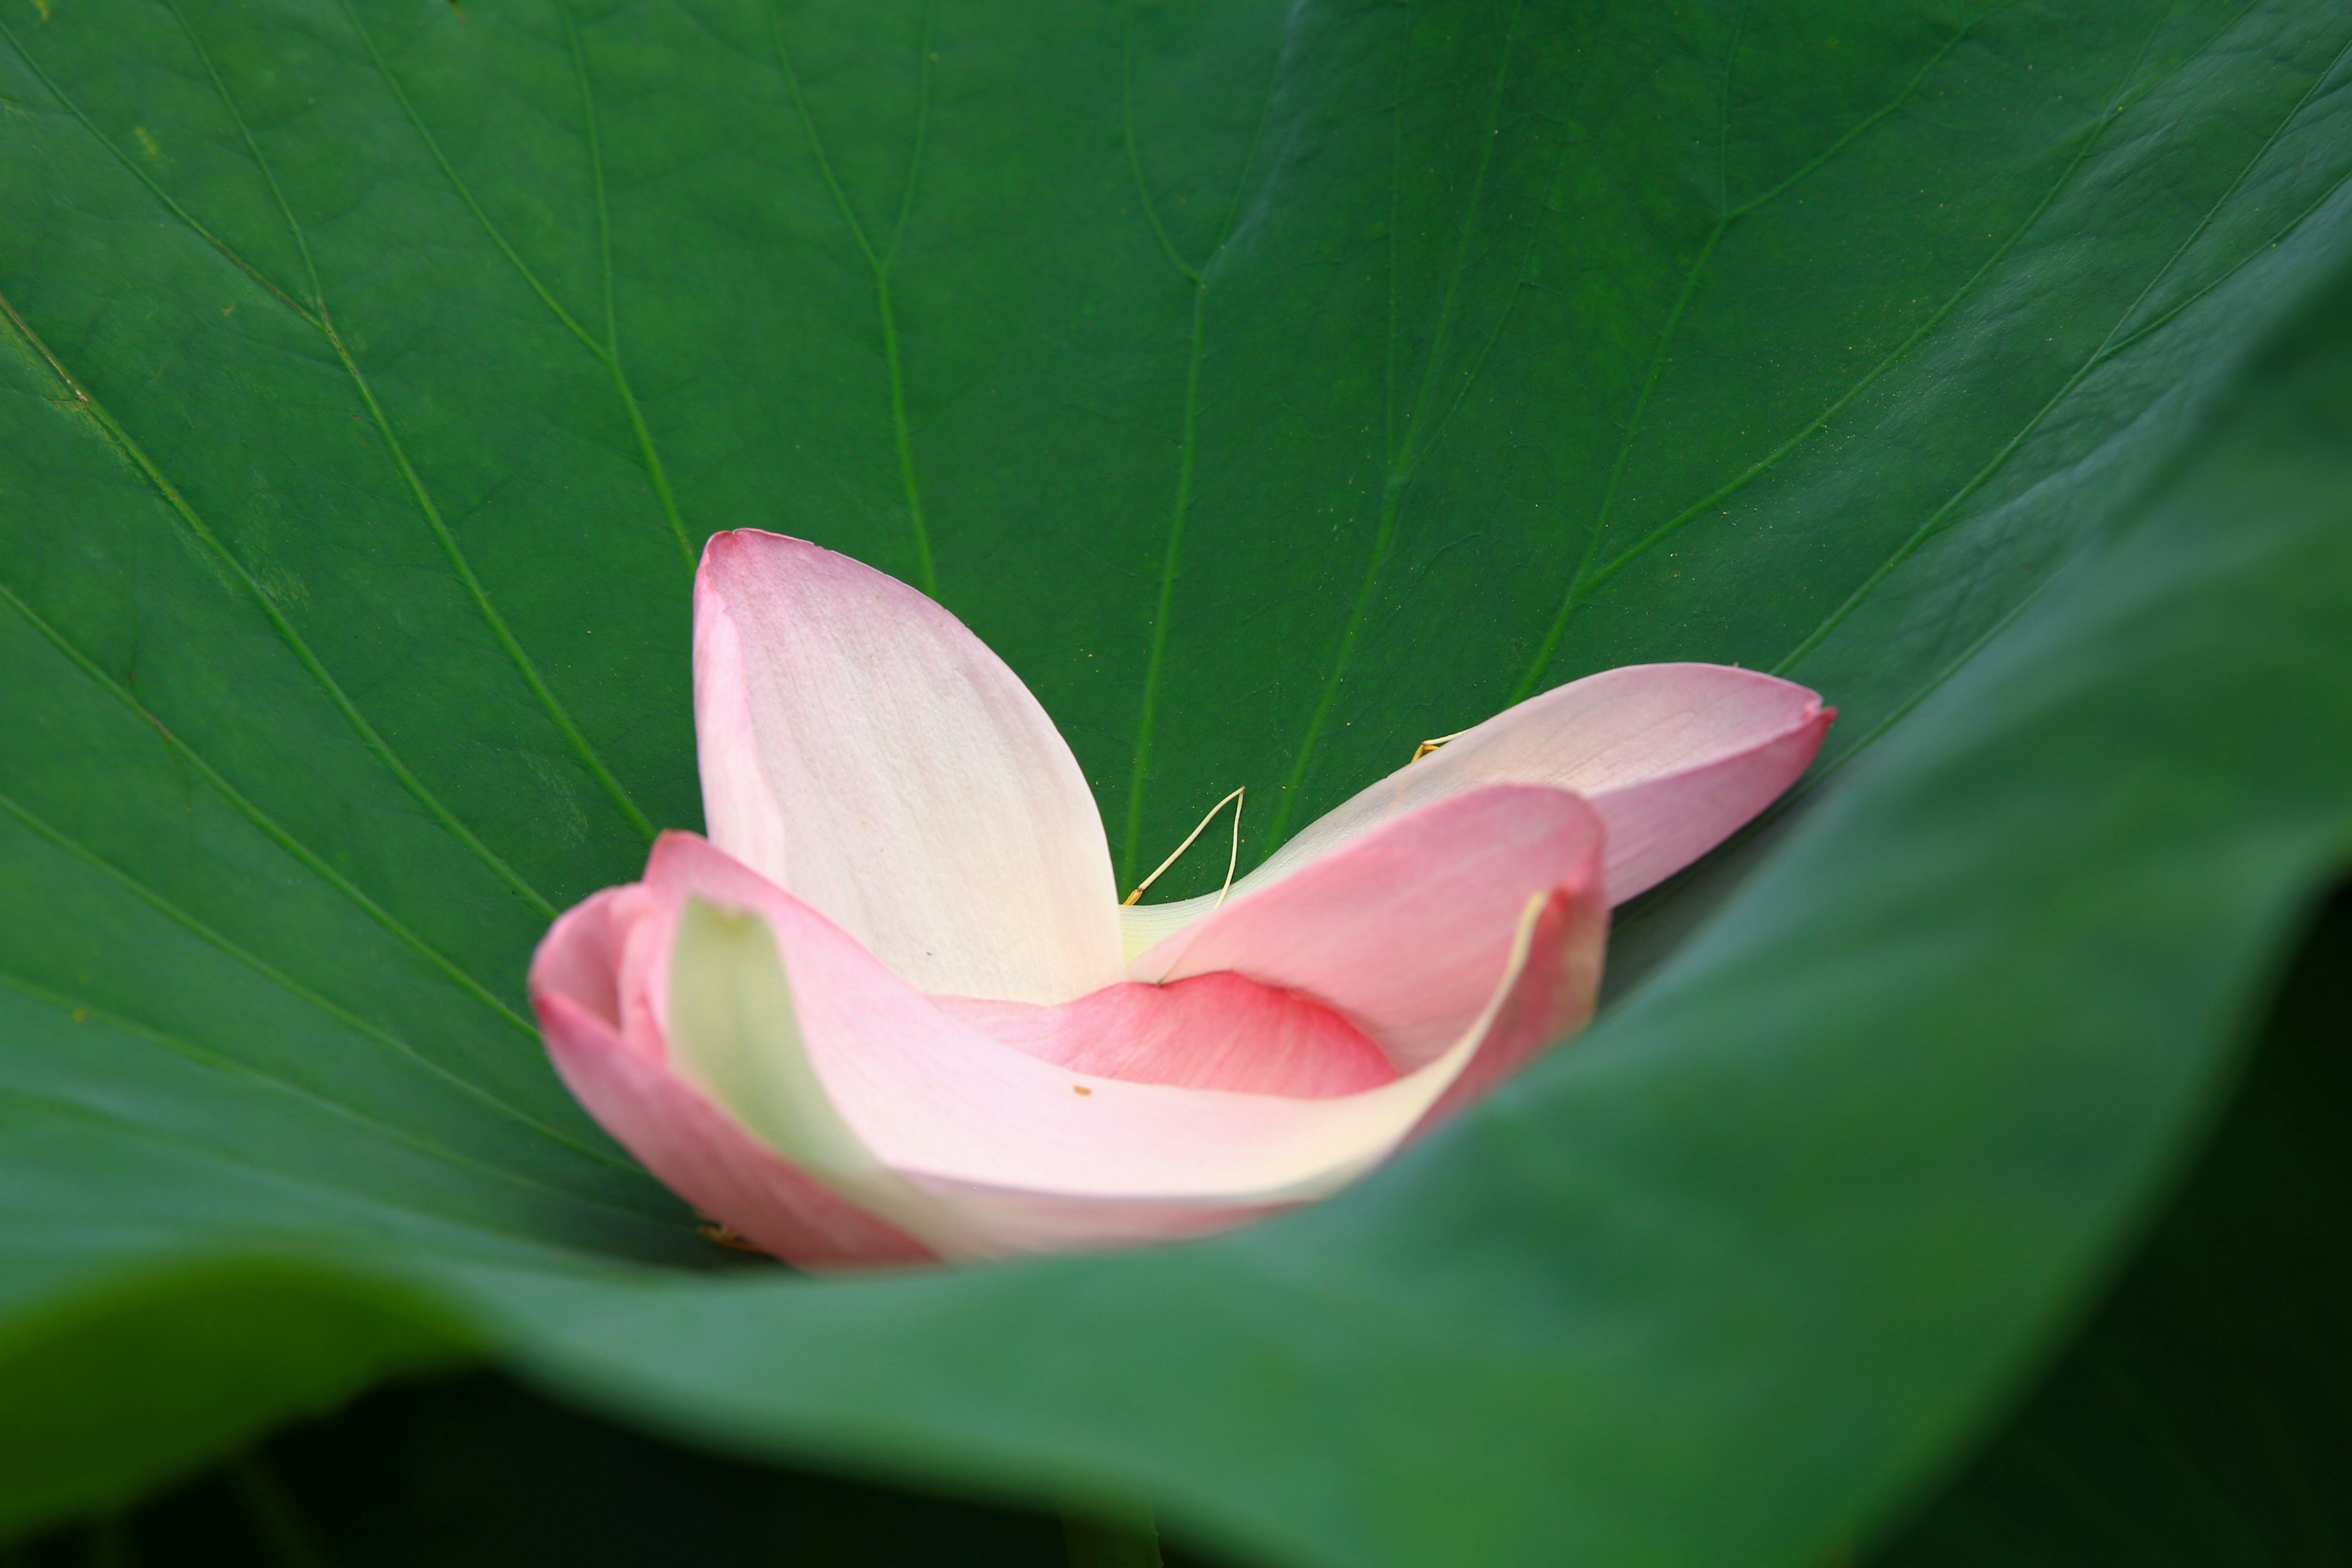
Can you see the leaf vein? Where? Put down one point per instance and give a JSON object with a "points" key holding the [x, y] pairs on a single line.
{"points": [[1585, 578], [42, 995], [1188, 444], [879, 264], [174, 207], [342, 1015], [2111, 345], [303, 652], [323, 321], [1401, 467], [268, 825]]}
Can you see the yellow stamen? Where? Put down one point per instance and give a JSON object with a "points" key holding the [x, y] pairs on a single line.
{"points": [[1428, 746], [1232, 860]]}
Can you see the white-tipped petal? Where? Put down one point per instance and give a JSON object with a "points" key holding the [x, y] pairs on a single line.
{"points": [[862, 748]]}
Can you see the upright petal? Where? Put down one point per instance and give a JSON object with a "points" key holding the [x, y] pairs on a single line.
{"points": [[976, 1149], [1675, 757], [862, 748]]}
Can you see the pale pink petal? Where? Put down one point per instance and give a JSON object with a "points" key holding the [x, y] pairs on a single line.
{"points": [[859, 747], [698, 1150], [1006, 1153], [1675, 757], [1404, 928]]}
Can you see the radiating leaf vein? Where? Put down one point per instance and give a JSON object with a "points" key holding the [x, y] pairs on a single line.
{"points": [[268, 825], [879, 263], [342, 1015], [1188, 441], [294, 640], [1585, 578], [2109, 346], [306, 1184], [325, 322]]}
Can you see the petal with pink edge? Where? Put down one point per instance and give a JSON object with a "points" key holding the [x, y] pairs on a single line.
{"points": [[698, 1150], [978, 1148], [859, 747], [1404, 928], [1675, 757]]}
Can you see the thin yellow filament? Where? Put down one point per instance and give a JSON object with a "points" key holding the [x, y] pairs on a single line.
{"points": [[1232, 860], [1428, 746]]}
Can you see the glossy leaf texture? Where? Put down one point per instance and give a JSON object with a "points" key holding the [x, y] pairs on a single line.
{"points": [[1274, 387]]}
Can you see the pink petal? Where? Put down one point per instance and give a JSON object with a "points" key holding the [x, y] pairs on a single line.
{"points": [[1675, 757], [1404, 928], [1000, 1151], [861, 748], [1213, 1031], [698, 1150]]}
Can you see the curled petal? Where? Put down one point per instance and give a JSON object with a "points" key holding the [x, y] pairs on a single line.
{"points": [[880, 1097], [1673, 757], [1404, 928], [698, 1150], [861, 748]]}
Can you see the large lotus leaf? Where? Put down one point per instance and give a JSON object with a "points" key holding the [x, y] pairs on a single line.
{"points": [[2204, 1413], [2201, 1417], [1275, 388]]}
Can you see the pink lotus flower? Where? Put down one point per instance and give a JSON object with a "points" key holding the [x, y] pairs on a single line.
{"points": [[893, 1010]]}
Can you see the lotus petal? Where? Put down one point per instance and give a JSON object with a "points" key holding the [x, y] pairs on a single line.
{"points": [[698, 1150], [760, 1011], [1675, 757], [862, 749]]}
